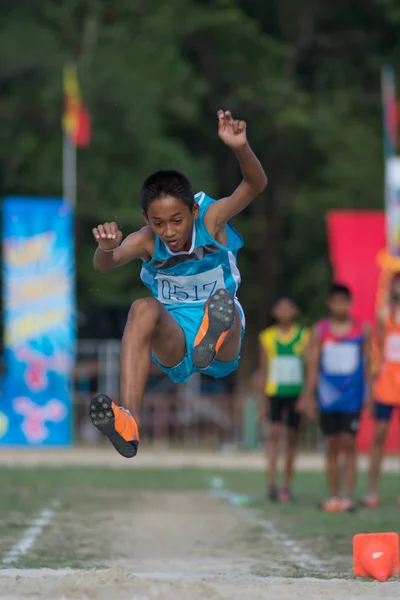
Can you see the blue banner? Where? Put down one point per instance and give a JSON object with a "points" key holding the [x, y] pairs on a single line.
{"points": [[39, 322]]}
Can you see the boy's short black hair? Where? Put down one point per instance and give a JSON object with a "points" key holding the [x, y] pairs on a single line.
{"points": [[340, 288], [166, 183], [287, 297]]}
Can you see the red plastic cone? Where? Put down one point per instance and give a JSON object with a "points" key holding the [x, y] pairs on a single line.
{"points": [[376, 555], [377, 561]]}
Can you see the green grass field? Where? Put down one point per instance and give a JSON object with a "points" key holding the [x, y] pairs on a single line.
{"points": [[76, 538]]}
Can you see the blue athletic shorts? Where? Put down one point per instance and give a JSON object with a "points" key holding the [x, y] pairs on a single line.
{"points": [[189, 319], [383, 412]]}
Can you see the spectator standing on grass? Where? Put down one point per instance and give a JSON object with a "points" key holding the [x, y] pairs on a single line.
{"points": [[338, 367], [281, 375], [386, 389]]}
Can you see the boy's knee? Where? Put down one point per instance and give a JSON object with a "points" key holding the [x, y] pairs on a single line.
{"points": [[292, 438], [145, 311], [348, 443], [332, 445], [275, 433], [381, 430]]}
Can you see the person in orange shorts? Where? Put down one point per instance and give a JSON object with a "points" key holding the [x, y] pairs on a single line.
{"points": [[386, 389]]}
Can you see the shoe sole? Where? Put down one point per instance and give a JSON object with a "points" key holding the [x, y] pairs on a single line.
{"points": [[221, 315], [102, 417]]}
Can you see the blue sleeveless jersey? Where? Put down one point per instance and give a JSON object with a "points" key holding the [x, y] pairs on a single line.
{"points": [[188, 279], [341, 382]]}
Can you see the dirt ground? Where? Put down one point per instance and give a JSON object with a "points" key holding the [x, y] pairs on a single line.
{"points": [[163, 457], [125, 586], [184, 546]]}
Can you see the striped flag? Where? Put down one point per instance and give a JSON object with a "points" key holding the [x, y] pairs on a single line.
{"points": [[76, 118], [390, 112]]}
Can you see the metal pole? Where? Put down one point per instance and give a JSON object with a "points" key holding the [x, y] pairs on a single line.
{"points": [[69, 170]]}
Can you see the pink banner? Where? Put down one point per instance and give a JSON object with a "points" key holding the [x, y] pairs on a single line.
{"points": [[356, 238]]}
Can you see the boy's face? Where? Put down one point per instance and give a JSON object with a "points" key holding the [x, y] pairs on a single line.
{"points": [[285, 311], [172, 221], [339, 305]]}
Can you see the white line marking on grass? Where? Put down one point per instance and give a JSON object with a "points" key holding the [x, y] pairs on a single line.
{"points": [[299, 556], [32, 533], [302, 558]]}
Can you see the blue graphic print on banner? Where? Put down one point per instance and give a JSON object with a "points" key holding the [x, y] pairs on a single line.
{"points": [[39, 322]]}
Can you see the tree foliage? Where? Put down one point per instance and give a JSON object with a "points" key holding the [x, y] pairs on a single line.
{"points": [[305, 75]]}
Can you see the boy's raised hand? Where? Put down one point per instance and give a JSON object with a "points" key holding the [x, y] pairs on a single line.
{"points": [[231, 131], [108, 236]]}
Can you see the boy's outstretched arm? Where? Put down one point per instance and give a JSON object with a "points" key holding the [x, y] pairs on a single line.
{"points": [[233, 133], [112, 252]]}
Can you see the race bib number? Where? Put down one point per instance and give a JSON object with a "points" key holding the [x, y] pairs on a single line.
{"points": [[392, 348], [340, 358], [287, 370], [189, 288]]}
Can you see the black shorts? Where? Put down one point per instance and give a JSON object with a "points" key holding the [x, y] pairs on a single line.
{"points": [[283, 410], [333, 423]]}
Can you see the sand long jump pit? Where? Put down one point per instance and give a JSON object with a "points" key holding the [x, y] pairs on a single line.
{"points": [[78, 533]]}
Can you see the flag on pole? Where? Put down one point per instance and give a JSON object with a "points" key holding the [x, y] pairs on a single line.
{"points": [[390, 112], [76, 118]]}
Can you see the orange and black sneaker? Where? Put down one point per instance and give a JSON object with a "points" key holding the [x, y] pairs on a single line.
{"points": [[219, 315], [116, 423]]}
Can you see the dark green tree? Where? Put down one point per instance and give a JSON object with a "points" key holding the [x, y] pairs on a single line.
{"points": [[305, 75]]}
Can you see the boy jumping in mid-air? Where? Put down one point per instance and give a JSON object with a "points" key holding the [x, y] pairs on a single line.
{"points": [[337, 370], [193, 322], [282, 348]]}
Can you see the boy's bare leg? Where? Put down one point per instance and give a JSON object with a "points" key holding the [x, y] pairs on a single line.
{"points": [[332, 464], [149, 328], [380, 435], [273, 456], [291, 448], [348, 446]]}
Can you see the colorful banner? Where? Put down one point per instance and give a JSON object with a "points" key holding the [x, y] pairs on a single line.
{"points": [[355, 240], [359, 260], [39, 322]]}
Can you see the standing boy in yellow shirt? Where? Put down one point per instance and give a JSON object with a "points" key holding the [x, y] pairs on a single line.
{"points": [[282, 349]]}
